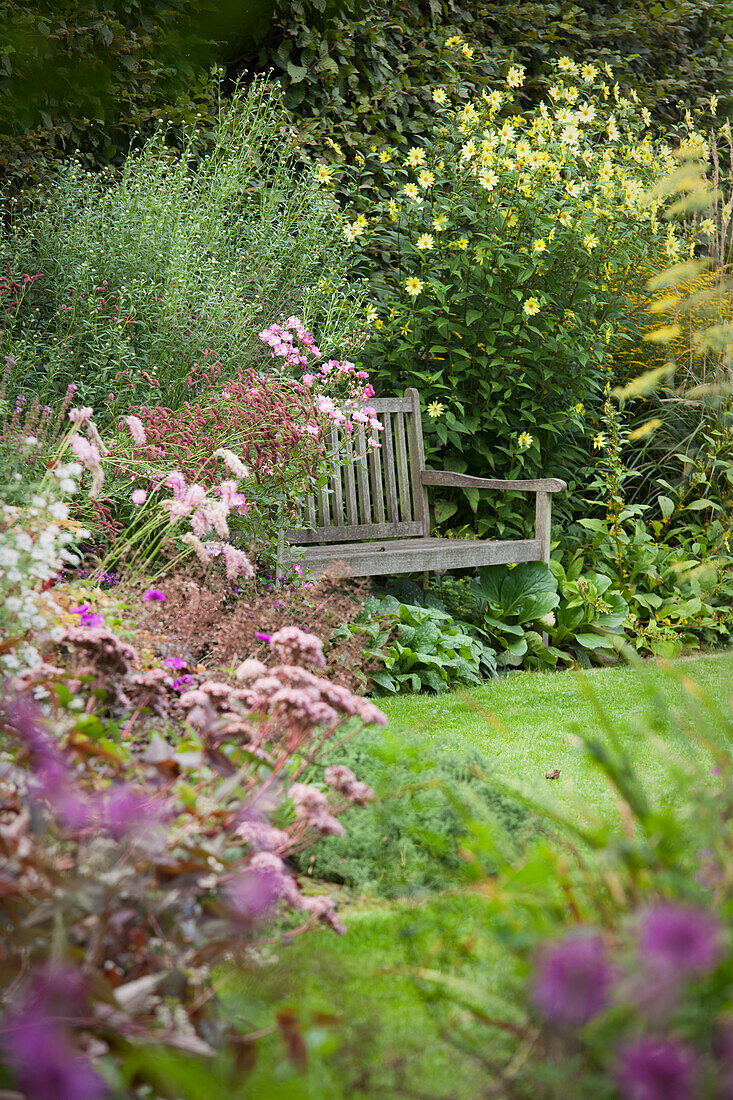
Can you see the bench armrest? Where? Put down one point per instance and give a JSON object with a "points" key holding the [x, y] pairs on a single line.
{"points": [[447, 477]]}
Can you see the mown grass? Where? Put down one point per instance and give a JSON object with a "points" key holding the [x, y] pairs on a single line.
{"points": [[369, 1027]]}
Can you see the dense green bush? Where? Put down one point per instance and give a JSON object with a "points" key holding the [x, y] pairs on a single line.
{"points": [[154, 281], [351, 73], [408, 840]]}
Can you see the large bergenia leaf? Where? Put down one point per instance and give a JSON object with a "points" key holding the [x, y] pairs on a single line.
{"points": [[524, 593]]}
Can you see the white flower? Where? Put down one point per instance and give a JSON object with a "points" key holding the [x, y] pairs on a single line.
{"points": [[58, 510]]}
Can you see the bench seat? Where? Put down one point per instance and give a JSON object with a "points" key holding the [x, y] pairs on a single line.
{"points": [[371, 559]]}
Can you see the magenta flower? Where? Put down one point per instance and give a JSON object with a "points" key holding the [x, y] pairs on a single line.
{"points": [[123, 810], [656, 1069], [86, 616], [682, 940], [154, 594], [39, 1050], [572, 979], [174, 662], [262, 636]]}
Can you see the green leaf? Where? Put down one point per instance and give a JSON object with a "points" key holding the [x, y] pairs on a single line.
{"points": [[296, 72]]}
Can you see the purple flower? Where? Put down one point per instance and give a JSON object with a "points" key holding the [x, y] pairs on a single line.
{"points": [[154, 594], [263, 637], [124, 810], [681, 940], [38, 1048], [174, 662], [572, 979], [252, 893], [656, 1069], [181, 682], [86, 616]]}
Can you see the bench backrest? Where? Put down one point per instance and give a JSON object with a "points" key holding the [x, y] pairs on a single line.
{"points": [[377, 493]]}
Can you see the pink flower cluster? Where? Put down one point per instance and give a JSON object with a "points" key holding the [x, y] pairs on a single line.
{"points": [[294, 646], [206, 516], [343, 780], [293, 346]]}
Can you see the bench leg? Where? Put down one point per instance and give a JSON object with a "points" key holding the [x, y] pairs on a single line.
{"points": [[543, 523]]}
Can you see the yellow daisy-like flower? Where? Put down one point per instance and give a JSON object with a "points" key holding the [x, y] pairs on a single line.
{"points": [[531, 307], [539, 245], [468, 149], [588, 72], [590, 241], [599, 441], [507, 132], [371, 313], [524, 441], [385, 157], [515, 77], [494, 99], [415, 157], [360, 220], [440, 96], [440, 223], [454, 40], [570, 136], [488, 179], [572, 189], [412, 192], [324, 174], [707, 227], [378, 323], [612, 129], [425, 242], [462, 243], [566, 65], [469, 114], [349, 233], [435, 409], [413, 286], [467, 52], [580, 408], [393, 209], [713, 104], [564, 116], [586, 113], [523, 149], [426, 179]]}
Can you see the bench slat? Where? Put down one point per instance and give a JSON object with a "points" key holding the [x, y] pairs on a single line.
{"points": [[362, 474], [375, 472], [336, 484], [351, 512], [390, 482], [416, 555], [417, 462], [402, 473], [353, 533]]}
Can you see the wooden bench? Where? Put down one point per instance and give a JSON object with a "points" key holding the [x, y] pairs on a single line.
{"points": [[373, 515]]}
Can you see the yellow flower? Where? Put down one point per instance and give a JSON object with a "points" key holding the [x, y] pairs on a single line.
{"points": [[349, 233], [393, 209], [335, 146], [412, 192], [612, 129], [507, 132], [588, 72], [586, 113], [454, 40], [515, 77], [440, 223], [468, 150], [566, 65], [426, 179], [371, 313], [488, 179], [413, 286], [524, 440], [707, 227], [467, 51], [531, 307], [361, 220], [590, 241], [580, 408], [425, 242], [385, 157], [324, 174], [469, 114], [494, 99], [439, 96], [435, 409], [539, 245], [378, 323], [570, 135], [714, 104], [406, 330], [523, 149], [415, 157], [462, 243], [599, 441]]}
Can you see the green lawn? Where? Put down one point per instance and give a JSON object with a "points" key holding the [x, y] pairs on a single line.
{"points": [[369, 1028]]}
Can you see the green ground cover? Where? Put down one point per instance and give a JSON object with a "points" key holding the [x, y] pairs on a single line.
{"points": [[370, 1028]]}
